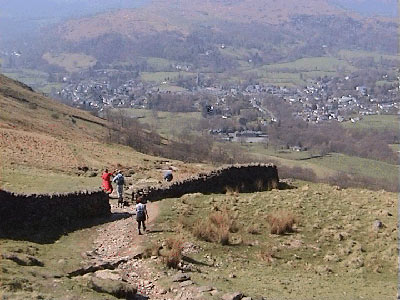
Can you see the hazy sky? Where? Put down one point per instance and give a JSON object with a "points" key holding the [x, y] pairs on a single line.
{"points": [[371, 7]]}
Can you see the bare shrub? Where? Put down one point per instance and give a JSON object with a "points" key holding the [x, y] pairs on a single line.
{"points": [[229, 190], [183, 223], [281, 222], [152, 249], [174, 255], [344, 180], [297, 172], [216, 228], [223, 219], [204, 231]]}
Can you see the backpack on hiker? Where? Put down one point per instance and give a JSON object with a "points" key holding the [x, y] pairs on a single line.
{"points": [[120, 180]]}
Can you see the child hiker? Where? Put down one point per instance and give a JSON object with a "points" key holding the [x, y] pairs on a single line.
{"points": [[141, 214]]}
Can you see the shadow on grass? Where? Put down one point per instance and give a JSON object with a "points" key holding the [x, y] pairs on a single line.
{"points": [[160, 230], [314, 157], [195, 262], [285, 186], [51, 233], [140, 297]]}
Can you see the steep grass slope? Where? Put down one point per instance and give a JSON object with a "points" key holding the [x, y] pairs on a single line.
{"points": [[50, 147]]}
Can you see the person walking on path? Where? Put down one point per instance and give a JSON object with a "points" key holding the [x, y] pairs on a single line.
{"points": [[106, 184], [141, 214], [120, 181], [168, 175]]}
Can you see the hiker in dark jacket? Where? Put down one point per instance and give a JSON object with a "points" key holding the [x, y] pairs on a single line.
{"points": [[120, 181], [168, 175], [141, 214]]}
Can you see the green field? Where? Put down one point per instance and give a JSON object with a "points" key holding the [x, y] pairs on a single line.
{"points": [[330, 164], [171, 88], [378, 122], [27, 180], [326, 64], [297, 72], [159, 77], [27, 76], [71, 62], [159, 64], [167, 124], [349, 54], [48, 87]]}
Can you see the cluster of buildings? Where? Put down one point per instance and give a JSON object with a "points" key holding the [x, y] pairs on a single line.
{"points": [[316, 103], [97, 95]]}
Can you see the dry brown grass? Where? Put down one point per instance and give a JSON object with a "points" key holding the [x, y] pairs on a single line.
{"points": [[216, 228], [266, 254], [153, 249], [174, 255], [260, 186], [281, 222], [254, 229], [232, 191]]}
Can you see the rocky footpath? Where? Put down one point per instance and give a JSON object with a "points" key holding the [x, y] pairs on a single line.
{"points": [[116, 266]]}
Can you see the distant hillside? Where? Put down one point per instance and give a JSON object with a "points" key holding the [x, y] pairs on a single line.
{"points": [[186, 30], [15, 21], [181, 15]]}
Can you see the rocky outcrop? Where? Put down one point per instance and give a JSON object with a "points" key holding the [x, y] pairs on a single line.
{"points": [[240, 178], [31, 211]]}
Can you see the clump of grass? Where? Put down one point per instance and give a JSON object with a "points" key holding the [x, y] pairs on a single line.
{"points": [[260, 186], [233, 191], [216, 228], [55, 116], [153, 249], [254, 229], [281, 222], [174, 255], [266, 254]]}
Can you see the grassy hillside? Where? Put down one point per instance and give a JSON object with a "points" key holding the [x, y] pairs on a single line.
{"points": [[44, 145], [333, 252]]}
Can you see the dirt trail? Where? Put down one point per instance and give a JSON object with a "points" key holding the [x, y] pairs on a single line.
{"points": [[120, 240]]}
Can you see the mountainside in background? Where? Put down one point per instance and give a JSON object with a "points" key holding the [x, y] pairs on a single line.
{"points": [[182, 15], [214, 37], [181, 30], [15, 21]]}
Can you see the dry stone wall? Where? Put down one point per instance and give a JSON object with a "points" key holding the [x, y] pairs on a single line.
{"points": [[30, 211], [241, 178]]}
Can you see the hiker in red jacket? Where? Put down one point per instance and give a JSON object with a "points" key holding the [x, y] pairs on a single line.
{"points": [[107, 186]]}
